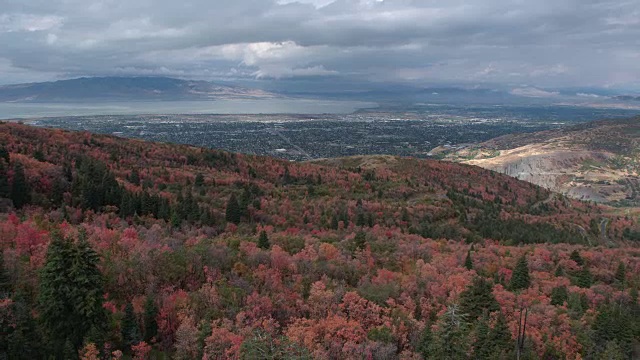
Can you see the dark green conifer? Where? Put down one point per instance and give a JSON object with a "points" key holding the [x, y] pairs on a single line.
{"points": [[584, 279], [501, 340], [232, 213], [21, 339], [621, 273], [5, 188], [360, 240], [482, 349], [20, 189], [150, 322], [5, 281], [334, 222], [575, 256], [4, 155], [286, 178], [263, 240], [70, 296], [468, 262], [451, 340], [478, 299], [39, 155], [520, 277], [199, 181], [129, 328], [559, 295], [425, 341]]}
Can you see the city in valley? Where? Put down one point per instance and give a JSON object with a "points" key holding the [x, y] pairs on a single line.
{"points": [[404, 130]]}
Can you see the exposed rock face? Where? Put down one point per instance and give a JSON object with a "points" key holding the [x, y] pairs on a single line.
{"points": [[599, 161]]}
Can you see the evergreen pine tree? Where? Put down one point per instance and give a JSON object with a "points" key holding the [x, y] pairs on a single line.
{"points": [[478, 299], [575, 256], [621, 273], [451, 339], [5, 281], [232, 213], [520, 278], [67, 171], [134, 178], [150, 322], [69, 351], [334, 222], [263, 240], [360, 219], [612, 351], [20, 189], [21, 339], [4, 155], [500, 340], [584, 279], [204, 331], [70, 296], [559, 295], [286, 177], [5, 188], [360, 240], [199, 181], [468, 262], [405, 215], [614, 323], [425, 341], [482, 349], [39, 155], [129, 328]]}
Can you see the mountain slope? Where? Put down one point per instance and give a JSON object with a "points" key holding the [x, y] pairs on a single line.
{"points": [[208, 254], [124, 88], [458, 199], [599, 161]]}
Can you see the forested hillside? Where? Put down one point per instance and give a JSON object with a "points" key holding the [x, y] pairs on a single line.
{"points": [[118, 249]]}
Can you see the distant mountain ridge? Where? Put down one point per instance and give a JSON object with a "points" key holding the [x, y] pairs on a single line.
{"points": [[126, 88]]}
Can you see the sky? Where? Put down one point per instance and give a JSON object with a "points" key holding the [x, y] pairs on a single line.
{"points": [[530, 46]]}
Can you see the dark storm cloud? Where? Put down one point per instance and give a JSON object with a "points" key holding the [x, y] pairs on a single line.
{"points": [[514, 43]]}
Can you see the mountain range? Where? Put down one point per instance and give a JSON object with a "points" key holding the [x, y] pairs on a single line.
{"points": [[97, 89], [126, 89]]}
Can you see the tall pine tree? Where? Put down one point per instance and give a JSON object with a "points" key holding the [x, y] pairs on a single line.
{"points": [[478, 299], [129, 329], [150, 322], [233, 213], [20, 189], [5, 188], [468, 262], [451, 340], [263, 240], [520, 277], [500, 339], [70, 296], [5, 282], [482, 349]]}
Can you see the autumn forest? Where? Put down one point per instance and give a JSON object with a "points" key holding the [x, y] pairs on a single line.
{"points": [[124, 249]]}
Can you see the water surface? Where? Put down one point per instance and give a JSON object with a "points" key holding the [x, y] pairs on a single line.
{"points": [[267, 106]]}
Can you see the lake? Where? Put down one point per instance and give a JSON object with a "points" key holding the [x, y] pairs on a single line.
{"points": [[267, 106]]}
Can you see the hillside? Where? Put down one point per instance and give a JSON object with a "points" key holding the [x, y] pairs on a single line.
{"points": [[125, 89], [599, 161], [207, 254]]}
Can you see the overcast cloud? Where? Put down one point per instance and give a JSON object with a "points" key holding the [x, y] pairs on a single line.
{"points": [[519, 43]]}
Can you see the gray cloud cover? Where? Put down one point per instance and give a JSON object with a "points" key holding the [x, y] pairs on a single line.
{"points": [[544, 43]]}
